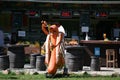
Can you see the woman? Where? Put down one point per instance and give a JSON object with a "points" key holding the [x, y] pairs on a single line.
{"points": [[54, 57]]}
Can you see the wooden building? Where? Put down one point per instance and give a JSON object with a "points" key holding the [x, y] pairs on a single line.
{"points": [[24, 16]]}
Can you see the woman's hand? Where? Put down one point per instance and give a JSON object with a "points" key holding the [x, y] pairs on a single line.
{"points": [[44, 25], [44, 22], [52, 46]]}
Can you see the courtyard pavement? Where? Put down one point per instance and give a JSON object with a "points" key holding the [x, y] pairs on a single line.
{"points": [[104, 71]]}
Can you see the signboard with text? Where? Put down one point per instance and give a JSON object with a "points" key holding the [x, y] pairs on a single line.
{"points": [[85, 29], [33, 13], [97, 51], [66, 14], [21, 33]]}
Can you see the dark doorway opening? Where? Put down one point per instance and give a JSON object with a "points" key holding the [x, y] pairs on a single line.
{"points": [[104, 27]]}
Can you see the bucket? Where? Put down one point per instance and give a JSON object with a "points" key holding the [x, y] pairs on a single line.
{"points": [[33, 60], [40, 63], [74, 59], [16, 57], [4, 62], [95, 63]]}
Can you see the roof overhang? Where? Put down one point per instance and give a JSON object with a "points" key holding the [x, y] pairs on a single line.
{"points": [[69, 1]]}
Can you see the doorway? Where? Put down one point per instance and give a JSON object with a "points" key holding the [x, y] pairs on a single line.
{"points": [[104, 26]]}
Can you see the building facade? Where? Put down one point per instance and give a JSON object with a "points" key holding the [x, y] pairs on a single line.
{"points": [[22, 18]]}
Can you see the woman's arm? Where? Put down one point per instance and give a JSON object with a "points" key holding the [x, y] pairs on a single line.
{"points": [[44, 24]]}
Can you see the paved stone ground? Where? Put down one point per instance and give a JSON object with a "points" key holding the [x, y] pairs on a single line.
{"points": [[104, 71]]}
